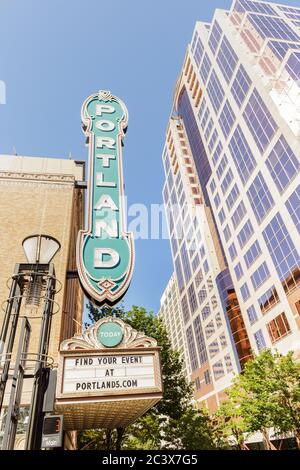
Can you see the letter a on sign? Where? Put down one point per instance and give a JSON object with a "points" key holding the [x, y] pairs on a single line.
{"points": [[105, 250]]}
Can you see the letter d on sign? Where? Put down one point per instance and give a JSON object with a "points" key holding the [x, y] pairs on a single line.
{"points": [[101, 262]]}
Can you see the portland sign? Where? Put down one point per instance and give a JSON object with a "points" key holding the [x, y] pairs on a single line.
{"points": [[105, 250]]}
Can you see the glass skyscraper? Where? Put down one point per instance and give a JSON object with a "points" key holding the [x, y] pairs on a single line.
{"points": [[232, 191]]}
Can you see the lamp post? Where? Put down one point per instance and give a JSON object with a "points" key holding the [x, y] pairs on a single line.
{"points": [[32, 282], [40, 250]]}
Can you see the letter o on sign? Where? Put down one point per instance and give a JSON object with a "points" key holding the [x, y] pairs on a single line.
{"points": [[110, 334]]}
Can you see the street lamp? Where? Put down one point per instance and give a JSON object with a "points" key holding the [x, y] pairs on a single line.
{"points": [[32, 282], [40, 250]]}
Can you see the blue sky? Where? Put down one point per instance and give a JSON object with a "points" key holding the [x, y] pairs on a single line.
{"points": [[53, 54]]}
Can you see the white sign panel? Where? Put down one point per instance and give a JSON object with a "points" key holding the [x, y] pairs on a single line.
{"points": [[108, 373]]}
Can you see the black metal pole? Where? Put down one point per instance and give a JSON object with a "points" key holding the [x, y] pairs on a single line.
{"points": [[34, 435], [12, 416], [14, 303]]}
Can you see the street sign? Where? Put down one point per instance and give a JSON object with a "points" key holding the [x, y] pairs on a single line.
{"points": [[52, 435], [105, 250]]}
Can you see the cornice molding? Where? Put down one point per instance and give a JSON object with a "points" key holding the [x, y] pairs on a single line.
{"points": [[88, 339], [40, 177]]}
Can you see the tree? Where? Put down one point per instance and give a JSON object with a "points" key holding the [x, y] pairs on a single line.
{"points": [[229, 422], [163, 425], [266, 395]]}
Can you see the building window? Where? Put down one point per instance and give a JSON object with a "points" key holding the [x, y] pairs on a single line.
{"points": [[252, 315], [245, 292], [238, 214], [232, 251], [185, 263], [259, 120], [210, 284], [223, 341], [238, 271], [195, 263], [232, 197], [205, 312], [209, 129], [240, 86], [192, 298], [218, 320], [227, 59], [260, 275], [213, 186], [258, 7], [166, 194], [174, 246], [202, 295], [280, 48], [221, 216], [205, 267], [242, 155], [228, 363], [199, 278], [268, 300], [207, 377], [227, 233], [245, 234], [275, 28], [209, 329], [218, 370], [278, 328], [192, 349], [213, 140], [198, 52], [205, 118], [282, 164], [227, 119], [217, 153], [179, 274], [185, 309], [259, 340], [260, 198], [252, 254], [283, 252], [215, 92], [217, 200], [197, 383], [215, 37], [293, 64], [205, 68], [194, 41], [214, 302], [293, 206], [227, 181], [200, 341], [202, 108], [213, 349], [222, 165]]}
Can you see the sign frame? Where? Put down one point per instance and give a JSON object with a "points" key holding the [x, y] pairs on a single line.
{"points": [[107, 408], [107, 394], [109, 291]]}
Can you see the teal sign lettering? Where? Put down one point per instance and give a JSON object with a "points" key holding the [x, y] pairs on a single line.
{"points": [[110, 334], [105, 251]]}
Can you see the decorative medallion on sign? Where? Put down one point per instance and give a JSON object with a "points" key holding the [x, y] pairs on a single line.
{"points": [[92, 338]]}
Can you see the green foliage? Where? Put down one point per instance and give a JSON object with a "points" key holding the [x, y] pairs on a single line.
{"points": [[266, 395]]}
